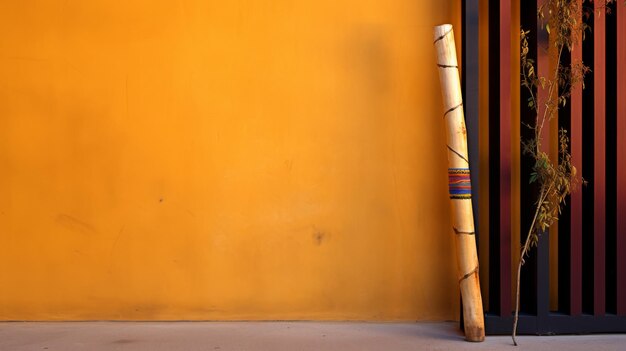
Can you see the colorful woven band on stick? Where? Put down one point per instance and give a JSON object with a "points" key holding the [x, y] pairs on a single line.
{"points": [[459, 183]]}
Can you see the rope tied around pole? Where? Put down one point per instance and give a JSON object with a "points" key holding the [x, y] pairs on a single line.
{"points": [[459, 183]]}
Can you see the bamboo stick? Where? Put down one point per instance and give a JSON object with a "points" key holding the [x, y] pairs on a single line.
{"points": [[459, 183]]}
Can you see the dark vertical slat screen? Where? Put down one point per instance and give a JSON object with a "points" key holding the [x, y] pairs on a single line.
{"points": [[528, 301], [576, 207], [543, 249], [592, 245], [505, 157], [499, 160], [610, 141], [621, 161], [599, 187], [494, 158], [470, 97]]}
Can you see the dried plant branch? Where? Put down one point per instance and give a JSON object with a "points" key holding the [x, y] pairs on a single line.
{"points": [[556, 179]]}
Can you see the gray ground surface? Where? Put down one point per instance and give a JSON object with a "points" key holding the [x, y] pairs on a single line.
{"points": [[225, 336]]}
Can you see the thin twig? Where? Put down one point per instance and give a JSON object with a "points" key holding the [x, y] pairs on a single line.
{"points": [[525, 249]]}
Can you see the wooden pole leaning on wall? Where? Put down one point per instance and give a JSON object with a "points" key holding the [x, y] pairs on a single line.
{"points": [[459, 183]]}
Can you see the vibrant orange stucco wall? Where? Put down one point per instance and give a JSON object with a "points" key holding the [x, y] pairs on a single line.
{"points": [[223, 160]]}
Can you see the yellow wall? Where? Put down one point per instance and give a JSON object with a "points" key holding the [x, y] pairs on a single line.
{"points": [[223, 160]]}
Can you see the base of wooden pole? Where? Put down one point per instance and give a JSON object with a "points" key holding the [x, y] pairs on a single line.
{"points": [[474, 334]]}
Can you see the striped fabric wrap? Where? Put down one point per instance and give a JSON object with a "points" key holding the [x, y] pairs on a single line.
{"points": [[459, 183]]}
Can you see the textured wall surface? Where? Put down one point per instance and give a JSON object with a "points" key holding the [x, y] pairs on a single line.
{"points": [[223, 160]]}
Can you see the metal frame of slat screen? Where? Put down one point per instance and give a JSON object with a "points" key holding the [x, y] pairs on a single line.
{"points": [[591, 241]]}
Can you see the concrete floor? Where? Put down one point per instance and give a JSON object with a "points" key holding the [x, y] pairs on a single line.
{"points": [[345, 336]]}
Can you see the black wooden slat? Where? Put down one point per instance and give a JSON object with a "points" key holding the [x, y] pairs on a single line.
{"points": [[470, 78]]}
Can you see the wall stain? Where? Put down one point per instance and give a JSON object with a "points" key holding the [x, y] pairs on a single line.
{"points": [[75, 224], [124, 341], [318, 236], [289, 165], [126, 95], [366, 55], [117, 238], [119, 234]]}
